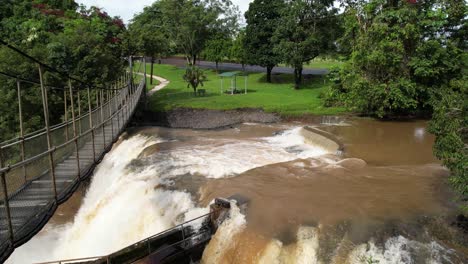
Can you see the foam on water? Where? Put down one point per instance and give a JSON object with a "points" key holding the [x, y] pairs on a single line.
{"points": [[224, 239], [121, 207], [400, 250], [124, 203], [304, 251], [225, 158], [396, 250]]}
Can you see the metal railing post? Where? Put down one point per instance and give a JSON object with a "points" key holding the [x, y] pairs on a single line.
{"points": [[67, 136], [146, 85], [116, 96], [79, 110], [126, 103], [109, 108], [103, 123], [6, 203], [20, 112], [45, 106], [91, 123], [75, 136]]}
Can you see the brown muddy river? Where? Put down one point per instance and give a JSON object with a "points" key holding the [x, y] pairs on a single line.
{"points": [[384, 199]]}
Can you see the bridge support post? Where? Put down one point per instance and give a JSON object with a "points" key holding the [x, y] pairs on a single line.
{"points": [[79, 110], [130, 80], [6, 203], [75, 136], [90, 109], [20, 114], [109, 108], [116, 102], [65, 106], [103, 122], [45, 106], [146, 85]]}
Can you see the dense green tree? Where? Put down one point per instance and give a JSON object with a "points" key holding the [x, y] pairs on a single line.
{"points": [[306, 29], [450, 125], [148, 37], [238, 52], [190, 24], [263, 18], [401, 54], [217, 49], [85, 43]]}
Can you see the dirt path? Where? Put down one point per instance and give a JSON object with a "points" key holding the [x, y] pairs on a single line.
{"points": [[162, 83]]}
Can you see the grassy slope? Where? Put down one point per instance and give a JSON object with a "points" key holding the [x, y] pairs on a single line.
{"points": [[277, 97]]}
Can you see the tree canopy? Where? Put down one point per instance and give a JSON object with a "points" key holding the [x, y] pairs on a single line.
{"points": [[83, 42], [263, 18], [191, 24], [306, 30]]}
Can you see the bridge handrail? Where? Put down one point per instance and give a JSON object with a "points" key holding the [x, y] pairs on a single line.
{"points": [[72, 140], [24, 208], [42, 131], [147, 240]]}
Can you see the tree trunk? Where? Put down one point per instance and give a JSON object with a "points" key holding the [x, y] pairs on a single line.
{"points": [[152, 67], [194, 59], [269, 70], [297, 77]]}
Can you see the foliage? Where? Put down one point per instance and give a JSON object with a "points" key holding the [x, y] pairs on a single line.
{"points": [[450, 125], [194, 77], [263, 18], [217, 49], [237, 52], [408, 58], [146, 34], [402, 53], [306, 29], [190, 24], [85, 43]]}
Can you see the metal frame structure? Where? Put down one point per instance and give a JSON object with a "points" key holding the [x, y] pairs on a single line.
{"points": [[233, 77], [41, 170]]}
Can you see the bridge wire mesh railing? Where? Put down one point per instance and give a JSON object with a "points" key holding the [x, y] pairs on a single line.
{"points": [[40, 170], [168, 244]]}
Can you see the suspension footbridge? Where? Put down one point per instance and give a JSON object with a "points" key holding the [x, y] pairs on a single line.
{"points": [[42, 169]]}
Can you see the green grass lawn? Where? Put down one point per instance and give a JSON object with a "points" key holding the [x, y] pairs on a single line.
{"points": [[321, 64], [279, 96]]}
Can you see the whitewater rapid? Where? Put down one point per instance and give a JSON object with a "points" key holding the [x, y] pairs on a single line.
{"points": [[130, 198], [126, 203]]}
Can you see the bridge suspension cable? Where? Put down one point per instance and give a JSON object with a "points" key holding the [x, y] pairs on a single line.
{"points": [[41, 169]]}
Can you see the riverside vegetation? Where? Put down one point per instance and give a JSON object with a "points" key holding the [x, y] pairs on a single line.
{"points": [[403, 58]]}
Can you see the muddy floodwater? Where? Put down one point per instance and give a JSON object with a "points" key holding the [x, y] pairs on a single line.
{"points": [[383, 198]]}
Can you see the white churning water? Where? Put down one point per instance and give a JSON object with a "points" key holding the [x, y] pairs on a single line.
{"points": [[128, 201], [122, 205]]}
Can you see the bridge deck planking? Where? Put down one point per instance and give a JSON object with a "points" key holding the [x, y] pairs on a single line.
{"points": [[39, 192]]}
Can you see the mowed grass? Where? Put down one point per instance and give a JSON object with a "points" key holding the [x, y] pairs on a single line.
{"points": [[279, 96], [321, 64]]}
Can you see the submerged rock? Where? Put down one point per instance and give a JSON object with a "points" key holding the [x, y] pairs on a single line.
{"points": [[352, 163]]}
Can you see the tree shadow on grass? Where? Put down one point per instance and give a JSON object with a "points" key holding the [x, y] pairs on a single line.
{"points": [[308, 81], [177, 94]]}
